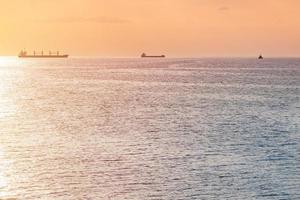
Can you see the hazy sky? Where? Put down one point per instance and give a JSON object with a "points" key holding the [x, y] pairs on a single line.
{"points": [[171, 27]]}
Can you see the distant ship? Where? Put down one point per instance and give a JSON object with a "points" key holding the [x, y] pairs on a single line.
{"points": [[260, 57], [23, 54], [145, 56]]}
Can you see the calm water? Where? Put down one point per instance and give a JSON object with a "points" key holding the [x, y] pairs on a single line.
{"points": [[170, 129]]}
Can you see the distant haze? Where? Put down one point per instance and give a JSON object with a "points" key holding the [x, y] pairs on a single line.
{"points": [[179, 28]]}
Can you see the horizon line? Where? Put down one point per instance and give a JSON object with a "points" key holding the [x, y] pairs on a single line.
{"points": [[186, 57]]}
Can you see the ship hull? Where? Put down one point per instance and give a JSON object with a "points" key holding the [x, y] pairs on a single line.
{"points": [[153, 56]]}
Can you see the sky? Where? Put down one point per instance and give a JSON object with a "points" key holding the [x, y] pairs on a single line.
{"points": [[127, 28]]}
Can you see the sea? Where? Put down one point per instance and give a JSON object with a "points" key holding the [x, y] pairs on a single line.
{"points": [[150, 129]]}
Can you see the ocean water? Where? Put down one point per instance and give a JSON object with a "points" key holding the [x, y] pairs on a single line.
{"points": [[89, 128]]}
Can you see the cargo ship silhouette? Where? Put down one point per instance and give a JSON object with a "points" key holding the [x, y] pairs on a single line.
{"points": [[146, 56], [23, 54]]}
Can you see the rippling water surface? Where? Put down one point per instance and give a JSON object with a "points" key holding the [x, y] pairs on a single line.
{"points": [[87, 128]]}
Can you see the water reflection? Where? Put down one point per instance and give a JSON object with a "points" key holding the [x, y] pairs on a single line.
{"points": [[148, 129]]}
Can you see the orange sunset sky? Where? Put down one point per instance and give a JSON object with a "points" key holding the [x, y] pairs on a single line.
{"points": [[172, 27]]}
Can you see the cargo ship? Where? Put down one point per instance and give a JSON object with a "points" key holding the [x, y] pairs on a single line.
{"points": [[23, 54], [146, 56]]}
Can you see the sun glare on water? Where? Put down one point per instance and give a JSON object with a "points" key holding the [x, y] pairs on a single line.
{"points": [[7, 73], [7, 109], [6, 61], [3, 166]]}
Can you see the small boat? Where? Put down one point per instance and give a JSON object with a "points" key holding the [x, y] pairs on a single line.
{"points": [[260, 57], [23, 54], [146, 56]]}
